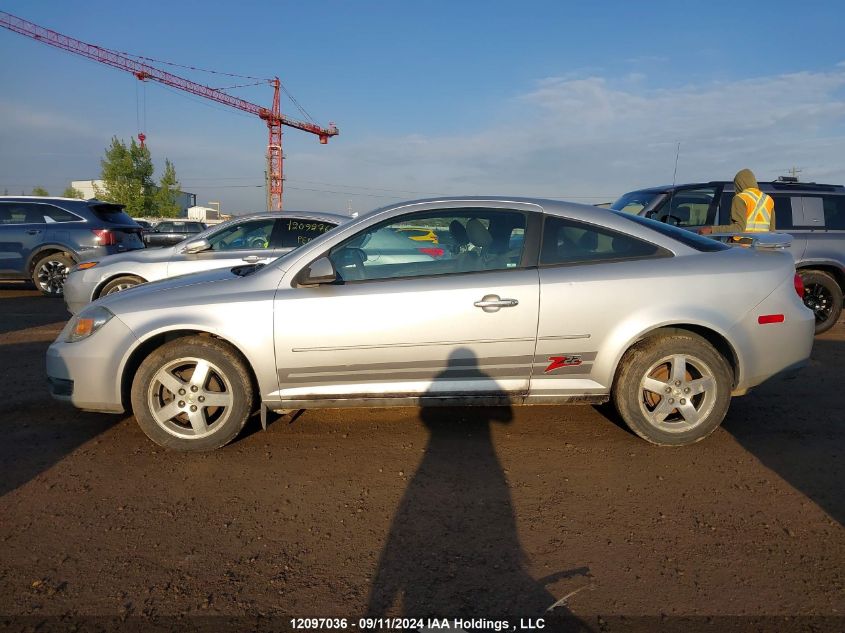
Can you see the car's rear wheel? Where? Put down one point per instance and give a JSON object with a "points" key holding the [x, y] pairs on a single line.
{"points": [[192, 394], [49, 274], [673, 390], [121, 283], [823, 296]]}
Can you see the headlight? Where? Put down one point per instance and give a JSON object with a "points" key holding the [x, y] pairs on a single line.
{"points": [[87, 322], [83, 266]]}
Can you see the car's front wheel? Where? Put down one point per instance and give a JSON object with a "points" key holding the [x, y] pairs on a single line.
{"points": [[121, 283], [192, 394], [49, 274], [673, 389]]}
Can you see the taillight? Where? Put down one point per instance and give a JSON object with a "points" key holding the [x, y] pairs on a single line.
{"points": [[105, 237], [433, 251], [799, 285]]}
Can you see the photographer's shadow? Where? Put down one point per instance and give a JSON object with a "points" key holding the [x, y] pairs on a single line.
{"points": [[453, 548]]}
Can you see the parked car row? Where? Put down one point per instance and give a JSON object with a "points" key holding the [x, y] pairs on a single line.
{"points": [[518, 301], [250, 239], [41, 238]]}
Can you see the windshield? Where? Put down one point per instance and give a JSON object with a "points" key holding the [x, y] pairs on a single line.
{"points": [[693, 240], [635, 201]]}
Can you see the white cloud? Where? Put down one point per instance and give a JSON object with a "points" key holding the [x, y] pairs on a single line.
{"points": [[584, 138], [591, 136]]}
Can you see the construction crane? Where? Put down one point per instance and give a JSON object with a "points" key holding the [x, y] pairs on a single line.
{"points": [[145, 72]]}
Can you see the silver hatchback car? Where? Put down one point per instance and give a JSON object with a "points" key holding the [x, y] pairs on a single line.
{"points": [[519, 301], [251, 239]]}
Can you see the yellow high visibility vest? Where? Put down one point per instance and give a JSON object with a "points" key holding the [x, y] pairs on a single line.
{"points": [[758, 210]]}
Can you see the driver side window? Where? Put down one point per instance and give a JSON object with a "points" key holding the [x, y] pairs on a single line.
{"points": [[688, 207], [251, 235], [433, 243]]}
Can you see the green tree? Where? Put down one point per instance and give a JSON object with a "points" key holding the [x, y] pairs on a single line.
{"points": [[39, 191], [128, 177], [70, 192], [168, 190]]}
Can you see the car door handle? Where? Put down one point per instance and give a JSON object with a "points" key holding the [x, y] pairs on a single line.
{"points": [[492, 303], [33, 231], [252, 259]]}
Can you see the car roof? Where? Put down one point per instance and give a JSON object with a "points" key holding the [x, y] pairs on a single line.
{"points": [[784, 185], [56, 199], [321, 216]]}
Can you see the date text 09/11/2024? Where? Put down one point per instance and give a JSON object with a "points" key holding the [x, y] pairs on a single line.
{"points": [[418, 624]]}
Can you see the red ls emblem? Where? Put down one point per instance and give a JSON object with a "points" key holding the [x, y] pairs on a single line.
{"points": [[563, 361]]}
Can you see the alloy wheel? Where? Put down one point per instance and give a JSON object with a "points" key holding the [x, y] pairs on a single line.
{"points": [[678, 393], [190, 398]]}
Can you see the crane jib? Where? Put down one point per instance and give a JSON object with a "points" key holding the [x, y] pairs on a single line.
{"points": [[145, 72]]}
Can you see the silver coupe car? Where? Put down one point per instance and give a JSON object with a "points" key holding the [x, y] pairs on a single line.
{"points": [[520, 301], [251, 239]]}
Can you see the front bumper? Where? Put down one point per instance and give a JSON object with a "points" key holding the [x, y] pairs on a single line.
{"points": [[87, 373]]}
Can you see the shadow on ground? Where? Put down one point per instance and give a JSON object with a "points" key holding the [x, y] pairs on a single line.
{"points": [[466, 560], [21, 308], [793, 426], [800, 434], [37, 431]]}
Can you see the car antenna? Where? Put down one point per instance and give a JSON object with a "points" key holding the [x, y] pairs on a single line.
{"points": [[674, 176]]}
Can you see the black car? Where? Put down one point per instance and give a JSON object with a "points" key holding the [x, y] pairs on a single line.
{"points": [[169, 232], [42, 237]]}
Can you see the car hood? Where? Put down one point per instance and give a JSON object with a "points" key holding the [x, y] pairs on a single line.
{"points": [[175, 292]]}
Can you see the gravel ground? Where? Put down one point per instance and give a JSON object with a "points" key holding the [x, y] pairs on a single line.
{"points": [[484, 514]]}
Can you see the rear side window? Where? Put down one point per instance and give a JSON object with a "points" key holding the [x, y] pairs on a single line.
{"points": [[34, 213], [55, 214], [294, 232], [194, 227], [111, 213], [787, 211], [688, 238], [834, 212], [164, 227], [569, 242]]}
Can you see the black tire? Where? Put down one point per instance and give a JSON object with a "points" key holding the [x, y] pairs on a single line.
{"points": [[823, 296], [697, 415], [121, 283], [49, 273], [166, 415]]}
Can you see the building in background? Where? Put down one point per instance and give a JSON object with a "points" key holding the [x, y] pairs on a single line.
{"points": [[207, 215], [88, 188]]}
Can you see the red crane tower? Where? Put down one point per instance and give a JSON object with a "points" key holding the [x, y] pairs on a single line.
{"points": [[143, 71]]}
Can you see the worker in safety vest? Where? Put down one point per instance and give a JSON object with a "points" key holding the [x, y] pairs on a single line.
{"points": [[752, 210]]}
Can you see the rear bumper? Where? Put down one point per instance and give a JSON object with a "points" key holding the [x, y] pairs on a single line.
{"points": [[771, 349]]}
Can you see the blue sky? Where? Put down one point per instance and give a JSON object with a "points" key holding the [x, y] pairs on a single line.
{"points": [[581, 101]]}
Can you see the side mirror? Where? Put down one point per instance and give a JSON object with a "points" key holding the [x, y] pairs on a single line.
{"points": [[197, 246], [320, 271]]}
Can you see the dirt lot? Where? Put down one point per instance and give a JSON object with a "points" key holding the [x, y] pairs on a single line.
{"points": [[485, 514]]}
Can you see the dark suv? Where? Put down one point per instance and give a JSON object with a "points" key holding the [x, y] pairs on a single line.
{"points": [[41, 238], [813, 214]]}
